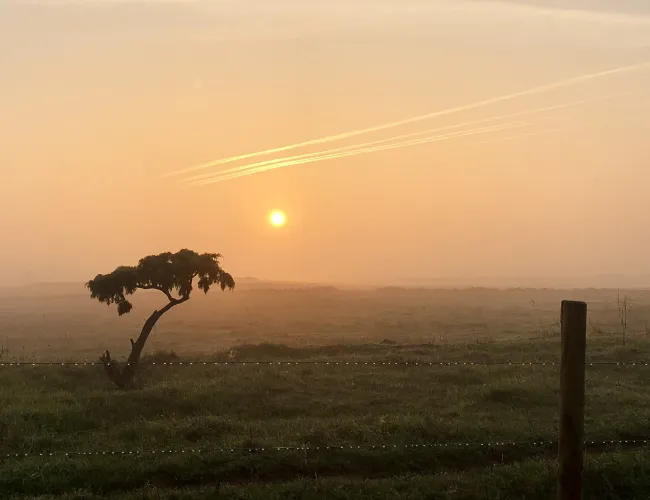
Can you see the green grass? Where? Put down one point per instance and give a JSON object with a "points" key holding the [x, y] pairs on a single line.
{"points": [[216, 418], [612, 476]]}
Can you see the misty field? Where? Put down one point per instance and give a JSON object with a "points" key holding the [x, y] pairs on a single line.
{"points": [[374, 428]]}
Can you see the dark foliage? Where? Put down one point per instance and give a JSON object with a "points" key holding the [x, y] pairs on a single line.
{"points": [[174, 275], [168, 272]]}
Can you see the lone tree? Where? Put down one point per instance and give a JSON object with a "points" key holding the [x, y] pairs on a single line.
{"points": [[172, 274]]}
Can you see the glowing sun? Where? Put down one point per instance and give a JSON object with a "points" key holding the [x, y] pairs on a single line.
{"points": [[277, 218]]}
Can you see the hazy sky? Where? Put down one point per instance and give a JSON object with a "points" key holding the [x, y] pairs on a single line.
{"points": [[99, 98]]}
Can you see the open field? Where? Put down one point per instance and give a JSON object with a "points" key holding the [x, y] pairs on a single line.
{"points": [[62, 323], [195, 430]]}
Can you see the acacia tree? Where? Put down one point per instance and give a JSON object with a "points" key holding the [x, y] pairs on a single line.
{"points": [[173, 274]]}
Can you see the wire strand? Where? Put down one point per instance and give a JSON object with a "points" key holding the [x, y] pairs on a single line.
{"points": [[261, 449], [332, 363]]}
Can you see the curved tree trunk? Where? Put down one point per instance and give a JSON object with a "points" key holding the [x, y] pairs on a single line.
{"points": [[124, 377]]}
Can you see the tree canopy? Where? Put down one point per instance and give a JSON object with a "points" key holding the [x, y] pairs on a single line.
{"points": [[171, 273]]}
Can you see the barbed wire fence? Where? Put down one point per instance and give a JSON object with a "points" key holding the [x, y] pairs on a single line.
{"points": [[20, 364], [490, 444], [540, 444], [577, 441]]}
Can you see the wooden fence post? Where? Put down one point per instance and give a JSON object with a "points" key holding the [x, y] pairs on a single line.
{"points": [[572, 400]]}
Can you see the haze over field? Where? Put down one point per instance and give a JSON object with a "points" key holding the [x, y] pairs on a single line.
{"points": [[101, 99]]}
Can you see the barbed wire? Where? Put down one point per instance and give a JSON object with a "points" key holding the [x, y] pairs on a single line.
{"points": [[304, 448], [332, 363]]}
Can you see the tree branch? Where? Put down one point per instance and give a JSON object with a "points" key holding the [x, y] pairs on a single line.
{"points": [[138, 345], [172, 303]]}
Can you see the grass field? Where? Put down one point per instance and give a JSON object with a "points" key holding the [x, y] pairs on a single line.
{"points": [[352, 430]]}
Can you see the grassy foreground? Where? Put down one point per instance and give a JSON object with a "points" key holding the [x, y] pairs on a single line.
{"points": [[613, 476], [193, 426], [352, 430]]}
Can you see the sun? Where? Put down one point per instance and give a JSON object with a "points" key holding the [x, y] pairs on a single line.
{"points": [[277, 218]]}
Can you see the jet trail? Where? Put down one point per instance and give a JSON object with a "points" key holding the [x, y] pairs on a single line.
{"points": [[533, 90], [404, 136], [218, 177]]}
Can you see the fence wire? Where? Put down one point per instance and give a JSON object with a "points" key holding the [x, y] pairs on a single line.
{"points": [[347, 447], [331, 363]]}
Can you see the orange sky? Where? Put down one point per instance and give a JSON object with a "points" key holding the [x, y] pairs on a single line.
{"points": [[99, 99]]}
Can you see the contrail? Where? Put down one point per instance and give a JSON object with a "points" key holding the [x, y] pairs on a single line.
{"points": [[511, 137], [533, 90], [328, 151], [218, 177], [404, 136]]}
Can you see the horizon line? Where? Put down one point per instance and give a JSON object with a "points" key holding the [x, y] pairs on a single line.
{"points": [[507, 283]]}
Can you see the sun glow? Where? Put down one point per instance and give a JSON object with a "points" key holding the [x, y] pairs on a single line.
{"points": [[277, 218]]}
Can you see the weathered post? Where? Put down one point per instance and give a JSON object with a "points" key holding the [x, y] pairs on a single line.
{"points": [[572, 400]]}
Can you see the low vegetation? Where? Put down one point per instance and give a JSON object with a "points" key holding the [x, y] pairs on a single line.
{"points": [[353, 428]]}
